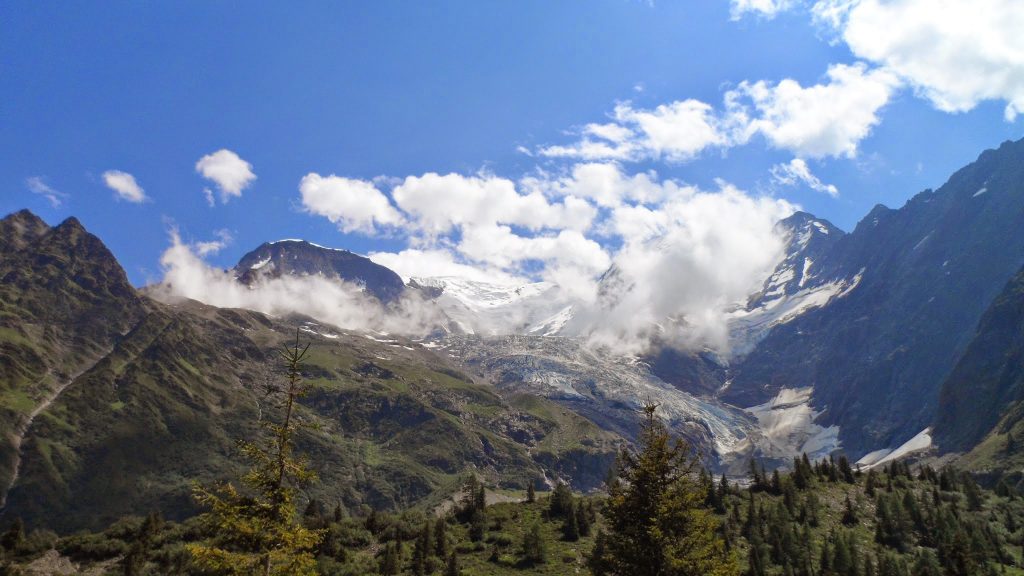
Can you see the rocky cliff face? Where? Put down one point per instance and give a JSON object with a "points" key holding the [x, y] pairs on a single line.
{"points": [[981, 407], [301, 258], [917, 281]]}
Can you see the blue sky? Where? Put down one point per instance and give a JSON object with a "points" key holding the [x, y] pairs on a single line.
{"points": [[489, 92]]}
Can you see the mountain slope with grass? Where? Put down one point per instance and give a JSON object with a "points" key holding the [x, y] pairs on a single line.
{"points": [[981, 410], [153, 397]]}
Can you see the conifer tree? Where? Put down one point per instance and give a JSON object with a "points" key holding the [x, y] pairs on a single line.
{"points": [[392, 558], [561, 501], [596, 560], [657, 524], [849, 515], [421, 551], [452, 568], [531, 493], [583, 520], [477, 526], [441, 538], [534, 550], [255, 530], [14, 535], [571, 527]]}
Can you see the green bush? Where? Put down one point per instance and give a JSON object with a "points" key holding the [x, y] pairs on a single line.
{"points": [[91, 547]]}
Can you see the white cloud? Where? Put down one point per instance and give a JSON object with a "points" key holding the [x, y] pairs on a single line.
{"points": [[956, 53], [435, 204], [224, 239], [675, 132], [416, 263], [565, 255], [38, 185], [354, 205], [687, 254], [125, 185], [796, 172], [828, 119], [764, 8], [692, 259], [228, 171], [605, 185], [187, 275], [825, 119]]}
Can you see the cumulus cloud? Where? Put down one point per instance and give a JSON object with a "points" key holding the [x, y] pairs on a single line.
{"points": [[685, 254], [675, 132], [764, 8], [827, 119], [435, 204], [605, 185], [187, 275], [38, 185], [222, 241], [125, 186], [354, 205], [796, 172], [675, 277], [955, 53], [228, 171]]}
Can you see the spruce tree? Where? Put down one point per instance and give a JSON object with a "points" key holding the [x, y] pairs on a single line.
{"points": [[596, 560], [657, 524], [255, 530], [531, 493], [441, 538], [534, 549], [452, 569], [571, 527], [561, 501], [14, 535], [583, 520], [421, 551], [849, 515], [392, 559]]}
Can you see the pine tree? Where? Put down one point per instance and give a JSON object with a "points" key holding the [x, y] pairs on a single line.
{"points": [[421, 551], [657, 524], [452, 569], [583, 520], [561, 501], [14, 535], [477, 526], [597, 560], [570, 527], [480, 500], [134, 561], [256, 531], [849, 515], [531, 493], [534, 549], [392, 558], [441, 538]]}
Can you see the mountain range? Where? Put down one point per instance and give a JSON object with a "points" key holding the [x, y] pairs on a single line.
{"points": [[903, 336]]}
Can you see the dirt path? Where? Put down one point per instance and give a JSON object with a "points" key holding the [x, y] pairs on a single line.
{"points": [[22, 430]]}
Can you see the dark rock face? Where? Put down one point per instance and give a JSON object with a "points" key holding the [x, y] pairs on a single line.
{"points": [[927, 272], [809, 241], [985, 392], [301, 258]]}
